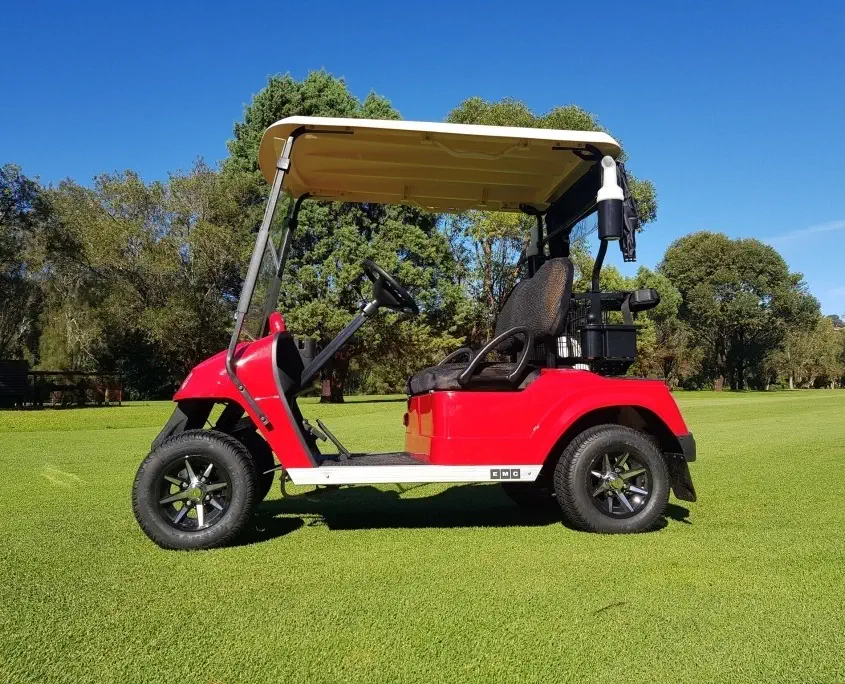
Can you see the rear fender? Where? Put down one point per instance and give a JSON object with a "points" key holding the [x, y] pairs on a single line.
{"points": [[639, 403], [646, 406]]}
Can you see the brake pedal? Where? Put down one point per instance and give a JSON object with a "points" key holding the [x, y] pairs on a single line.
{"points": [[344, 452]]}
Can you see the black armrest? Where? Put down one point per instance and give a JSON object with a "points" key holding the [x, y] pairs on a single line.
{"points": [[455, 354], [465, 377]]}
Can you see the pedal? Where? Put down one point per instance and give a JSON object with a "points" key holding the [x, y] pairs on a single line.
{"points": [[342, 450], [314, 431]]}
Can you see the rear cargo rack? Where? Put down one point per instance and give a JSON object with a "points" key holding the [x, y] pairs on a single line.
{"points": [[607, 345]]}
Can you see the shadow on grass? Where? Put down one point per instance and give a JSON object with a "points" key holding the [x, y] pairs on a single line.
{"points": [[268, 527], [677, 513], [370, 508], [365, 508]]}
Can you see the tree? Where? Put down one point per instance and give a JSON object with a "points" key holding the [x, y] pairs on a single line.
{"points": [[324, 285], [22, 211], [493, 243], [665, 344], [142, 277], [739, 299], [810, 357]]}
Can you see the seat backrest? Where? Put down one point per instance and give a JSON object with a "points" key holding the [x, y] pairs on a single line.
{"points": [[539, 303]]}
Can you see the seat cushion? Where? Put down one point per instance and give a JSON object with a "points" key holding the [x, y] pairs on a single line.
{"points": [[489, 376]]}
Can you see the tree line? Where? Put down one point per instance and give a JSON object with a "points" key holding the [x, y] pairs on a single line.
{"points": [[141, 278]]}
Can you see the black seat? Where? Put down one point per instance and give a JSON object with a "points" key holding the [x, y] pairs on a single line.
{"points": [[539, 304], [490, 376]]}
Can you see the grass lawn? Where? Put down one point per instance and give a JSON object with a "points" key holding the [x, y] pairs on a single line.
{"points": [[434, 583]]}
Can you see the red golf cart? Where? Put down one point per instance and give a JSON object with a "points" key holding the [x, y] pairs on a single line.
{"points": [[536, 408]]}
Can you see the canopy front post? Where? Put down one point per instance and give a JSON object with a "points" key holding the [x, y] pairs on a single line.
{"points": [[282, 166]]}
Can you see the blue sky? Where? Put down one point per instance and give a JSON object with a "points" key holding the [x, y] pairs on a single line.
{"points": [[735, 110]]}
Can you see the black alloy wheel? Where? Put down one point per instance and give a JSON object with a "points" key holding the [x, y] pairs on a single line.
{"points": [[612, 479], [620, 484], [194, 493], [196, 490]]}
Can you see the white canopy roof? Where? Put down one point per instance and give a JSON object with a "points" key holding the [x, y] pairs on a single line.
{"points": [[439, 166]]}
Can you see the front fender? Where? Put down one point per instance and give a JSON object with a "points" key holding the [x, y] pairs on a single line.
{"points": [[209, 380], [255, 367]]}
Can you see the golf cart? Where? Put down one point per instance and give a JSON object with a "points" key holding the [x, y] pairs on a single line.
{"points": [[535, 409]]}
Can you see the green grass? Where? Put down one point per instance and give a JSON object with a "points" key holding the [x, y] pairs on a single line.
{"points": [[431, 584]]}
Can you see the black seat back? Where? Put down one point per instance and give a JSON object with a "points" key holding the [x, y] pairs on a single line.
{"points": [[539, 303]]}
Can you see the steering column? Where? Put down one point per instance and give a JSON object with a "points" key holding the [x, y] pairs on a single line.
{"points": [[387, 293]]}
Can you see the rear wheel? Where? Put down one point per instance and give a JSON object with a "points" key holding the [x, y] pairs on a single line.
{"points": [[196, 490], [612, 479]]}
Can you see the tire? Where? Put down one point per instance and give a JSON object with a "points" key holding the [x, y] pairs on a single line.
{"points": [[593, 480], [531, 496], [262, 457], [197, 470]]}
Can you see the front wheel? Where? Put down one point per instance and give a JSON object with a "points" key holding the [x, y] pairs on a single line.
{"points": [[612, 479], [196, 490]]}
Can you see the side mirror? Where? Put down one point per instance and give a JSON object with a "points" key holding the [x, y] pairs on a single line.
{"points": [[643, 300]]}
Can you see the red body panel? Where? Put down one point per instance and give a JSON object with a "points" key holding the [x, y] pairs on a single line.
{"points": [[255, 369], [521, 428], [445, 428]]}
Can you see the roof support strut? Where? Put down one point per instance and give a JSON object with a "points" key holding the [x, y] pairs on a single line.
{"points": [[282, 166]]}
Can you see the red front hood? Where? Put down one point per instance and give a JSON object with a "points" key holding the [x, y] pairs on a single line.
{"points": [[209, 378]]}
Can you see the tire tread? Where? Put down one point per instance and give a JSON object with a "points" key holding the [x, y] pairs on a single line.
{"points": [[564, 477], [243, 460]]}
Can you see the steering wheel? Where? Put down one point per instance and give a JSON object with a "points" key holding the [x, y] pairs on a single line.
{"points": [[387, 291]]}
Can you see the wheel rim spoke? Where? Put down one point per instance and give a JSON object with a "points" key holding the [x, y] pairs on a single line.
{"points": [[178, 496], [611, 478], [186, 500], [624, 500]]}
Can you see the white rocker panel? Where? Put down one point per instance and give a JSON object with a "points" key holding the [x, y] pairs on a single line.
{"points": [[412, 474]]}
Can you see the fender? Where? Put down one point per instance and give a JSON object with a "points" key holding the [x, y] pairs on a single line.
{"points": [[524, 427], [588, 392], [256, 369]]}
